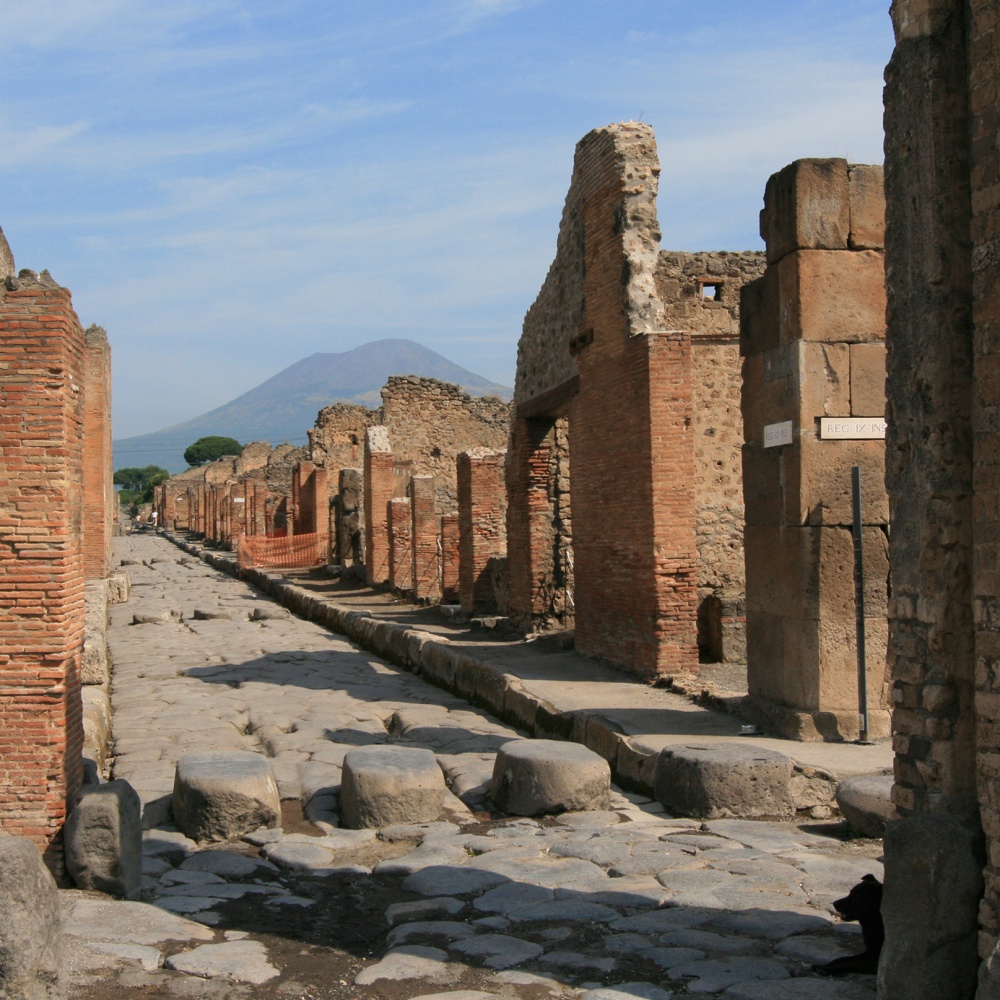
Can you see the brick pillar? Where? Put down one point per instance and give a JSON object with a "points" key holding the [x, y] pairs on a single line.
{"points": [[378, 492], [814, 371], [240, 504], [426, 557], [450, 558], [482, 512], [400, 528], [98, 486], [41, 561]]}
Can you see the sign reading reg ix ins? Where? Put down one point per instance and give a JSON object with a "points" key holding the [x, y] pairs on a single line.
{"points": [[851, 428]]}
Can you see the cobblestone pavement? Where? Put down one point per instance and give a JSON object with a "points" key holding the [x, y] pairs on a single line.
{"points": [[623, 903]]}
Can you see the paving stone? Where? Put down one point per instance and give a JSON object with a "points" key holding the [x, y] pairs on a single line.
{"points": [[457, 995], [805, 988], [711, 942], [667, 958], [818, 949], [450, 930], [512, 896], [715, 975], [128, 922], [438, 880], [227, 864], [628, 991], [299, 857], [770, 924], [409, 961], [534, 777], [498, 951], [237, 961], [423, 909], [179, 876], [626, 944], [149, 958], [576, 960], [188, 904], [573, 910]]}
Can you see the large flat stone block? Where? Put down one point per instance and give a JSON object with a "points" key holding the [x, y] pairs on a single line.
{"points": [[221, 794], [806, 206], [867, 192], [532, 777], [725, 781], [866, 803], [832, 296], [383, 785], [103, 836], [30, 924]]}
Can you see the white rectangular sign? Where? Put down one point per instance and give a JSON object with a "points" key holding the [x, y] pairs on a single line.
{"points": [[851, 428], [239, 499], [778, 434]]}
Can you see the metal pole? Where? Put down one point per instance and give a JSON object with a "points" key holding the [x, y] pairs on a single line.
{"points": [[859, 603]]}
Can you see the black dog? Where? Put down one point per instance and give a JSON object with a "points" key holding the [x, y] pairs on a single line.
{"points": [[864, 904]]}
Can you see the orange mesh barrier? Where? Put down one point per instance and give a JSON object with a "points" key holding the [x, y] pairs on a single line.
{"points": [[295, 552]]}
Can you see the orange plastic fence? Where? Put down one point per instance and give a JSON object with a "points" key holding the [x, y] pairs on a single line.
{"points": [[295, 552]]}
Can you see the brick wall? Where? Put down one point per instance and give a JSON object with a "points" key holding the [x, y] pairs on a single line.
{"points": [[482, 513], [450, 558], [41, 561], [426, 525], [400, 528], [378, 492], [98, 484]]}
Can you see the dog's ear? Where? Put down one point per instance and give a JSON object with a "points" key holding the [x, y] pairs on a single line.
{"points": [[868, 878]]}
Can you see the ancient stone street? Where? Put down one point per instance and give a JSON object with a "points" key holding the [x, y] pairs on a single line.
{"points": [[624, 902]]}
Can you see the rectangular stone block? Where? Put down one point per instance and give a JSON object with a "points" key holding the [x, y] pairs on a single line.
{"points": [[832, 296], [759, 329], [867, 197], [867, 380], [806, 207], [824, 380], [819, 481]]}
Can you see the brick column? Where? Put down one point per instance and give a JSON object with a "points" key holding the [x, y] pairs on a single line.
{"points": [[482, 512], [98, 486], [378, 492], [350, 550], [450, 558], [813, 332], [41, 559], [426, 522], [400, 528]]}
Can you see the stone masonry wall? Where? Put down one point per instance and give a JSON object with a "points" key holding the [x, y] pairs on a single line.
{"points": [[701, 294], [41, 561]]}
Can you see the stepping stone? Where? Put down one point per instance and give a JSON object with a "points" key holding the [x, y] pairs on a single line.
{"points": [[385, 785], [533, 777], [222, 794], [733, 780], [866, 803], [103, 837]]}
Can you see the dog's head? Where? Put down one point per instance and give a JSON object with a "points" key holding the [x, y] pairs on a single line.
{"points": [[864, 900]]}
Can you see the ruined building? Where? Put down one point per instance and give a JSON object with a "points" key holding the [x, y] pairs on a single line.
{"points": [[627, 400]]}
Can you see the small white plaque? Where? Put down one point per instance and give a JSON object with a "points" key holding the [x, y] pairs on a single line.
{"points": [[851, 428], [239, 499], [778, 434]]}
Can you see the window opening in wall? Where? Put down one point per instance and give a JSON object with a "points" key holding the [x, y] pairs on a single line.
{"points": [[711, 291]]}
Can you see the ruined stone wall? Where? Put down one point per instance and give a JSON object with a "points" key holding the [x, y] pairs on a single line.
{"points": [[400, 528], [41, 561], [337, 440], [597, 336], [701, 294], [482, 512], [430, 422]]}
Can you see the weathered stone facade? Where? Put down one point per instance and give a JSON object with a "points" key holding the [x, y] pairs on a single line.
{"points": [[813, 330], [626, 343]]}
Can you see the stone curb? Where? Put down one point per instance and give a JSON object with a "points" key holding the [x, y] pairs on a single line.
{"points": [[434, 659]]}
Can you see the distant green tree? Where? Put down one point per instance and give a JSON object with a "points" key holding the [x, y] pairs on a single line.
{"points": [[208, 449], [137, 484]]}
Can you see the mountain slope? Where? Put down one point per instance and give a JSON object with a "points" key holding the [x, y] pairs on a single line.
{"points": [[283, 407]]}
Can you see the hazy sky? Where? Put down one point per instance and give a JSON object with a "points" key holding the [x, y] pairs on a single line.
{"points": [[229, 186]]}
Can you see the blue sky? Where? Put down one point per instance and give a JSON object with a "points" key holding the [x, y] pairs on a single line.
{"points": [[228, 186]]}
